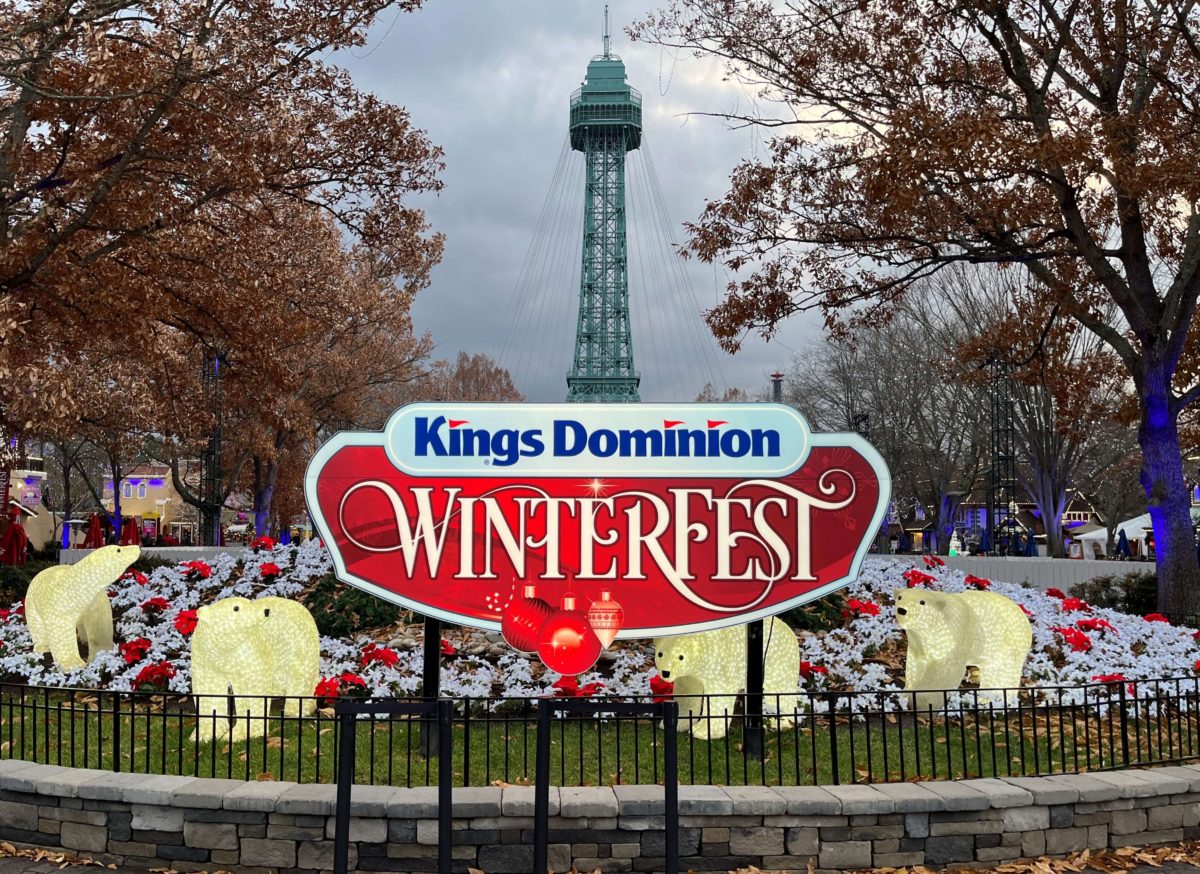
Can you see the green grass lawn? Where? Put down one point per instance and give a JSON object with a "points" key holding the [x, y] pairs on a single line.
{"points": [[83, 731]]}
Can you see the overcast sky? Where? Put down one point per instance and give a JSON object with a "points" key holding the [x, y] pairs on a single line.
{"points": [[490, 82]]}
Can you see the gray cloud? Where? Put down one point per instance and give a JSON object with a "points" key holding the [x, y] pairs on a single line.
{"points": [[489, 80]]}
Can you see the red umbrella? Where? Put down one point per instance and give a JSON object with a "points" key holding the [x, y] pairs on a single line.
{"points": [[15, 540], [95, 536], [129, 533]]}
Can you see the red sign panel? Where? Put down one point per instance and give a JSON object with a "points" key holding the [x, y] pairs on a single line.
{"points": [[689, 517]]}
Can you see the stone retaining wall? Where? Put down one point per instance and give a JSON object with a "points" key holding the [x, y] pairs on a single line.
{"points": [[200, 824]]}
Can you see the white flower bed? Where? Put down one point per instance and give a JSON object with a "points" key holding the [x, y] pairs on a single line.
{"points": [[1134, 648]]}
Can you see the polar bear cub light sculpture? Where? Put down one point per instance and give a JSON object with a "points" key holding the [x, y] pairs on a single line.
{"points": [[261, 649], [70, 601], [713, 664], [949, 632]]}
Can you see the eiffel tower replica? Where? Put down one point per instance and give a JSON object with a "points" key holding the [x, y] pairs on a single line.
{"points": [[606, 122]]}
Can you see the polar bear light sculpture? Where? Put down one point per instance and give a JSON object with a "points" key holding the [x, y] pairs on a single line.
{"points": [[71, 601], [263, 649], [949, 632], [713, 663]]}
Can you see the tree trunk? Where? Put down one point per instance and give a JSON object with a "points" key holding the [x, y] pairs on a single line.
{"points": [[1050, 498], [266, 473], [115, 517], [948, 504], [1167, 498]]}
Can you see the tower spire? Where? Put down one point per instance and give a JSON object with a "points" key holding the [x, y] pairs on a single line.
{"points": [[607, 41]]}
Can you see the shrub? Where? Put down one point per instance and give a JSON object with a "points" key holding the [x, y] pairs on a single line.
{"points": [[821, 615], [15, 579], [1135, 593], [340, 610]]}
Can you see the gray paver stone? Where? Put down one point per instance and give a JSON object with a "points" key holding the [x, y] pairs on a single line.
{"points": [[476, 801], [638, 800], [949, 848], [1164, 782], [1127, 822], [1066, 840], [366, 830], [318, 856], [803, 841], [205, 793], [711, 801], [910, 798], [1045, 791], [755, 841], [138, 788], [265, 853], [65, 782], [1129, 784], [808, 800], [755, 800], [260, 797], [519, 800], [18, 816], [845, 854], [77, 836], [861, 799], [1026, 819], [154, 818], [587, 801], [315, 799], [1090, 789], [507, 859], [211, 835], [414, 803], [916, 825], [956, 796], [999, 793], [371, 800]]}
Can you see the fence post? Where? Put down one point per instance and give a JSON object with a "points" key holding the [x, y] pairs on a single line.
{"points": [[1124, 724], [445, 717], [671, 783], [541, 790], [431, 682], [116, 762], [345, 781], [833, 739]]}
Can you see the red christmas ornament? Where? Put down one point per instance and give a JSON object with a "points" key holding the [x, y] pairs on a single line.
{"points": [[566, 642], [523, 619], [606, 616]]}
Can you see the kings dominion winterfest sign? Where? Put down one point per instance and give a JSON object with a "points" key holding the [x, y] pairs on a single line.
{"points": [[690, 517]]}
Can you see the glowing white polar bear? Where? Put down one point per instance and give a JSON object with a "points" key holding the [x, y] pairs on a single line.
{"points": [[949, 632], [262, 649], [713, 663], [69, 601]]}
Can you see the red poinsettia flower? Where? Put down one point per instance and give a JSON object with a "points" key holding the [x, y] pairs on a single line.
{"points": [[185, 621], [1196, 636], [7, 613], [1028, 613], [1072, 605], [135, 577], [808, 670], [157, 604], [381, 654], [914, 578], [661, 689], [134, 650], [327, 689], [196, 570], [448, 649], [1076, 639], [354, 681], [566, 687], [855, 607], [1096, 625], [268, 570], [1056, 593], [1196, 667], [591, 690], [1156, 617], [975, 582], [932, 561], [263, 542], [154, 677]]}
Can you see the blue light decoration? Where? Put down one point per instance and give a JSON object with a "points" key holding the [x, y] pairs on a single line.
{"points": [[156, 482], [30, 480], [285, 536], [133, 481], [66, 536]]}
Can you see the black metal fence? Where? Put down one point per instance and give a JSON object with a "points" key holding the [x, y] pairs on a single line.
{"points": [[811, 738]]}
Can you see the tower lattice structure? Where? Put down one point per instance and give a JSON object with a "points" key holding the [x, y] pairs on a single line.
{"points": [[606, 122]]}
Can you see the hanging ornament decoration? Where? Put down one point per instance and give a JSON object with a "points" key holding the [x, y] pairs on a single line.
{"points": [[566, 642], [605, 616], [522, 620]]}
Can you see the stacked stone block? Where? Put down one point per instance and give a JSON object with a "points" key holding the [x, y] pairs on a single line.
{"points": [[191, 824]]}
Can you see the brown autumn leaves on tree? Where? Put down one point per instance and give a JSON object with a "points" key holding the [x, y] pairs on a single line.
{"points": [[193, 180], [908, 136]]}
